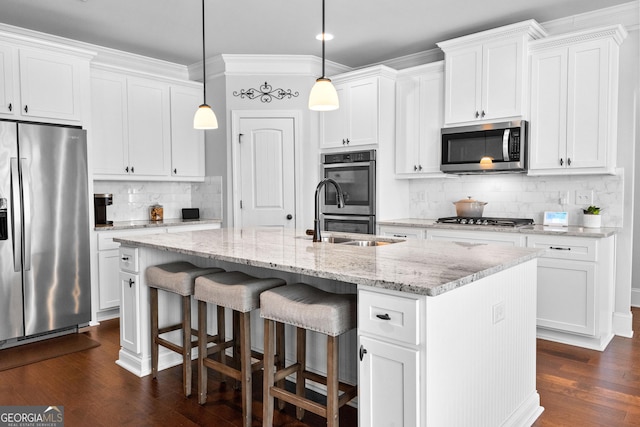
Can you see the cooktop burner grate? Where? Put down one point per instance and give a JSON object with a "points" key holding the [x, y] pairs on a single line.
{"points": [[496, 222]]}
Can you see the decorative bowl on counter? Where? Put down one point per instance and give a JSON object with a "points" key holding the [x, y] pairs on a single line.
{"points": [[469, 207]]}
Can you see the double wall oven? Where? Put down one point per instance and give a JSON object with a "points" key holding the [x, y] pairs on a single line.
{"points": [[356, 173]]}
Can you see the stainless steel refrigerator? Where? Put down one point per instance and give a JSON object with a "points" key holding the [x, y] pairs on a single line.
{"points": [[45, 280]]}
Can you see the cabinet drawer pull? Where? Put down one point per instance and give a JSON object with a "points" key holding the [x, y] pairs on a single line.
{"points": [[559, 249], [125, 258], [363, 351], [383, 316], [400, 235], [131, 282]]}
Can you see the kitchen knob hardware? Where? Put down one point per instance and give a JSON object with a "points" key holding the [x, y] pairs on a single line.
{"points": [[125, 258], [343, 141], [419, 167], [10, 107], [559, 249], [568, 161], [289, 216], [561, 161], [477, 114], [348, 141], [400, 235], [126, 169], [26, 109], [132, 169], [175, 171], [482, 115], [383, 316], [131, 282], [363, 351], [415, 168]]}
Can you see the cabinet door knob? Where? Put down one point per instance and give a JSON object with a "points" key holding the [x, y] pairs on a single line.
{"points": [[131, 282], [126, 169], [125, 258], [477, 114], [383, 316], [175, 171], [482, 115], [343, 141], [419, 167], [289, 216], [363, 351], [131, 169], [26, 109], [415, 168], [347, 141], [10, 107], [568, 161], [561, 162]]}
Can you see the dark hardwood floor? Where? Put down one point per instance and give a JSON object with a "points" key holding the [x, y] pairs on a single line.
{"points": [[578, 387]]}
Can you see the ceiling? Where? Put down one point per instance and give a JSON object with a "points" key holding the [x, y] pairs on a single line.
{"points": [[366, 31]]}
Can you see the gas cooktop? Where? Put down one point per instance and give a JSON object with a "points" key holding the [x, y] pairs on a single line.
{"points": [[495, 222]]}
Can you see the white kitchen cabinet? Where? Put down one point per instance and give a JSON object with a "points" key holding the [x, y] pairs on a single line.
{"points": [[130, 317], [149, 128], [108, 267], [419, 119], [574, 92], [401, 232], [472, 236], [575, 289], [187, 143], [364, 96], [486, 73], [143, 129], [43, 84]]}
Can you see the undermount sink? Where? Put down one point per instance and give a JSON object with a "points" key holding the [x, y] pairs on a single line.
{"points": [[353, 242]]}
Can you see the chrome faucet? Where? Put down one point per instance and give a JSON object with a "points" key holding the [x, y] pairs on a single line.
{"points": [[316, 221]]}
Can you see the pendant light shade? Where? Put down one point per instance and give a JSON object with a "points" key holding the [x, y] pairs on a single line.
{"points": [[204, 118], [323, 96]]}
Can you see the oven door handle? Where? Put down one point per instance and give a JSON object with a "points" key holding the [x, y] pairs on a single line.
{"points": [[505, 144]]}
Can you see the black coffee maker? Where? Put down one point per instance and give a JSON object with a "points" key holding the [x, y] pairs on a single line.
{"points": [[100, 203]]}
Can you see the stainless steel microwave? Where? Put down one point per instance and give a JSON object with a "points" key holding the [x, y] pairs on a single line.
{"points": [[485, 148]]}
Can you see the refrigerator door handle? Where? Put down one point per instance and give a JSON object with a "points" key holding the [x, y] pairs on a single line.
{"points": [[17, 215], [26, 195]]}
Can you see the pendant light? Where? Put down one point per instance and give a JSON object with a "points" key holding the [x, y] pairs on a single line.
{"points": [[323, 96], [204, 118]]}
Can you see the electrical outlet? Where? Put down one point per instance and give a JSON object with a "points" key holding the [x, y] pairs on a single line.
{"points": [[498, 312], [584, 197], [564, 197]]}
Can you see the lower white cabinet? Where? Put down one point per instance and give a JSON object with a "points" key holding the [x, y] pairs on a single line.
{"points": [[109, 291], [471, 236], [130, 315], [389, 379], [401, 232]]}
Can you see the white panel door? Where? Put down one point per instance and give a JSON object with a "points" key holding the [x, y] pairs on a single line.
{"points": [[187, 143], [462, 85], [502, 79], [363, 112], [8, 105], [334, 124], [267, 175], [129, 313], [389, 393], [109, 283], [431, 122]]}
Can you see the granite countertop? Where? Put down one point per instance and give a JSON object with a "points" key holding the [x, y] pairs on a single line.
{"points": [[172, 222], [574, 231], [421, 267]]}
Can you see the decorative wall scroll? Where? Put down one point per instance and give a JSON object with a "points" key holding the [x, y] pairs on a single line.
{"points": [[266, 93]]}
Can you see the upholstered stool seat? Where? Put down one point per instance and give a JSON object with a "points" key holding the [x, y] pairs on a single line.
{"points": [[306, 308], [241, 293], [178, 278]]}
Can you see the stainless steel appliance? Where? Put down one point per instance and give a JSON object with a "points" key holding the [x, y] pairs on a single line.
{"points": [[485, 148], [44, 255], [493, 222], [355, 172]]}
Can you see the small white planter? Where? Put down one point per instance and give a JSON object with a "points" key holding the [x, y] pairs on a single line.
{"points": [[591, 221]]}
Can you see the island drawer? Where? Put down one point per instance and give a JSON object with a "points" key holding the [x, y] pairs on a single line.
{"points": [[129, 259], [389, 316], [575, 248]]}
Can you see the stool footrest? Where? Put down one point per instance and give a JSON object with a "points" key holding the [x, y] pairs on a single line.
{"points": [[323, 380], [168, 344], [299, 401], [176, 327], [285, 372]]}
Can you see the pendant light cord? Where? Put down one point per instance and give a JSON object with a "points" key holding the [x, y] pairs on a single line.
{"points": [[323, 37], [204, 61]]}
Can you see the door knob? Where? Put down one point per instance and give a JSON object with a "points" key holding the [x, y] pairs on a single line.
{"points": [[289, 216]]}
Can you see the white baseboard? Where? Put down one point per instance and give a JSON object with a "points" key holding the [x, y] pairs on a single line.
{"points": [[635, 297], [623, 324]]}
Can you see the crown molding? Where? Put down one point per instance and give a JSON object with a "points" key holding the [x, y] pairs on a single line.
{"points": [[419, 70], [28, 38], [412, 60], [615, 32], [626, 14], [529, 29]]}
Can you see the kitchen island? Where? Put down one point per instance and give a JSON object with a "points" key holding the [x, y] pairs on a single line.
{"points": [[460, 348]]}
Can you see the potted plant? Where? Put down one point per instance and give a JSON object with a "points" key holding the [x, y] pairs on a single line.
{"points": [[591, 217]]}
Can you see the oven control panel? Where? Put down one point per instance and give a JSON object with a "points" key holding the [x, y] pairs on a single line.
{"points": [[350, 157]]}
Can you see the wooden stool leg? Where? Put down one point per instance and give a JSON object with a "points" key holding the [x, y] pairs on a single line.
{"points": [[280, 351], [236, 343], [202, 352], [332, 382], [186, 345], [267, 383], [221, 334], [153, 295], [245, 365], [301, 359]]}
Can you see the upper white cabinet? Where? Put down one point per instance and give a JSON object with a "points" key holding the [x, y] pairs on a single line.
{"points": [[364, 97], [574, 96], [419, 118], [42, 85], [187, 143], [486, 73], [142, 128]]}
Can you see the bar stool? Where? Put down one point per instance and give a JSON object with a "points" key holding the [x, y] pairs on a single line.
{"points": [[178, 278], [306, 308], [241, 293]]}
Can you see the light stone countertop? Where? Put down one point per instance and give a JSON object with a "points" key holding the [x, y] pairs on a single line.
{"points": [[574, 231], [421, 267], [172, 222]]}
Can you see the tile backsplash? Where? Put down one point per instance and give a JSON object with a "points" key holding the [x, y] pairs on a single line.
{"points": [[132, 200], [520, 196]]}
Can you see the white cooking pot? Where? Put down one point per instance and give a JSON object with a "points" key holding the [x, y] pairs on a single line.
{"points": [[469, 207]]}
